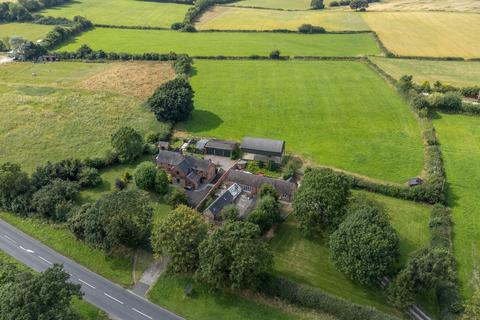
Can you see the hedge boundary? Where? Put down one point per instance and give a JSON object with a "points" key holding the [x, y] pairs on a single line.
{"points": [[313, 298]]}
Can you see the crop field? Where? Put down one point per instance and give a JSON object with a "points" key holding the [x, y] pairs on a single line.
{"points": [[370, 131], [205, 304], [232, 18], [28, 31], [459, 136], [456, 73], [432, 34], [122, 12], [426, 5], [225, 43], [275, 4], [46, 117]]}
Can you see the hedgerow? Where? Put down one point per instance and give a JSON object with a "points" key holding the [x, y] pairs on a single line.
{"points": [[64, 32]]}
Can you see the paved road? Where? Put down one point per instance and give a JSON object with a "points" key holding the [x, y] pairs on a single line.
{"points": [[118, 302]]}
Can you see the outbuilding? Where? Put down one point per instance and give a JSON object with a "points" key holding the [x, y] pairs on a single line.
{"points": [[221, 148], [259, 149]]}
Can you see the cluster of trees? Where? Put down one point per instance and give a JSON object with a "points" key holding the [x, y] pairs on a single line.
{"points": [[231, 256], [308, 28], [118, 219], [64, 32], [183, 65], [29, 296], [25, 50], [21, 10], [317, 4], [340, 3], [359, 5], [363, 244], [85, 52], [173, 100], [267, 210], [149, 177], [49, 192]]}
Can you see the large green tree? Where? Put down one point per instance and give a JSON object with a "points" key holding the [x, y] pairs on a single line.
{"points": [[144, 175], [55, 200], [234, 256], [365, 246], [321, 200], [122, 218], [266, 213], [178, 236], [173, 100], [128, 144], [42, 296]]}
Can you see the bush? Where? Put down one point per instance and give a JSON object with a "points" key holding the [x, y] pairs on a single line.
{"points": [[265, 214], [230, 213], [172, 101], [161, 182], [177, 26], [275, 54], [183, 65], [176, 197], [144, 175], [15, 188], [334, 4], [54, 201], [89, 177], [308, 28], [448, 102], [128, 144], [317, 4]]}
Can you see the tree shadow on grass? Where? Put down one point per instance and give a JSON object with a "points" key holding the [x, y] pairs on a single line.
{"points": [[203, 120]]}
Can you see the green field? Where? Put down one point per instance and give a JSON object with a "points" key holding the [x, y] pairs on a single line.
{"points": [[122, 12], [456, 73], [339, 114], [459, 136], [40, 121], [232, 18], [224, 43], [28, 31], [205, 304], [307, 260]]}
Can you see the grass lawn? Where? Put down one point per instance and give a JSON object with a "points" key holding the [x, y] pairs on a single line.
{"points": [[307, 260], [369, 131], [456, 73], [276, 4], [224, 43], [28, 31], [433, 34], [205, 304], [232, 18], [459, 137], [122, 12]]}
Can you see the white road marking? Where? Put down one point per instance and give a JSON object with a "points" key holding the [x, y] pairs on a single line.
{"points": [[143, 314], [87, 284], [10, 239], [27, 250], [45, 260], [114, 299]]}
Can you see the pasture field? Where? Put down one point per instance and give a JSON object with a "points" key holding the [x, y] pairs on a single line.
{"points": [[307, 260], [225, 43], [46, 117], [432, 34], [456, 73], [28, 31], [459, 136], [232, 18], [122, 12], [205, 304], [426, 5], [370, 130]]}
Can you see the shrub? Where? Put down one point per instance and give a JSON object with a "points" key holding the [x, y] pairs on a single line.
{"points": [[177, 26], [308, 28], [128, 144], [275, 54], [230, 213], [183, 65], [317, 4], [15, 188], [359, 5], [55, 200], [334, 4], [89, 177], [265, 214], [144, 175], [161, 182], [449, 102], [172, 101], [176, 197]]}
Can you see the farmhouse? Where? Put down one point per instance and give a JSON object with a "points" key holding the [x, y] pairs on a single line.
{"points": [[258, 149], [187, 171], [226, 198], [251, 184]]}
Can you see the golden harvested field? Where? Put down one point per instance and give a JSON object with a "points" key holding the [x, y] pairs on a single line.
{"points": [[232, 18], [427, 5], [456, 73], [276, 4], [429, 34], [138, 79]]}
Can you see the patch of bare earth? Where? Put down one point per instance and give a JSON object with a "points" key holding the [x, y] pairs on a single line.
{"points": [[215, 12], [427, 5], [138, 79]]}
